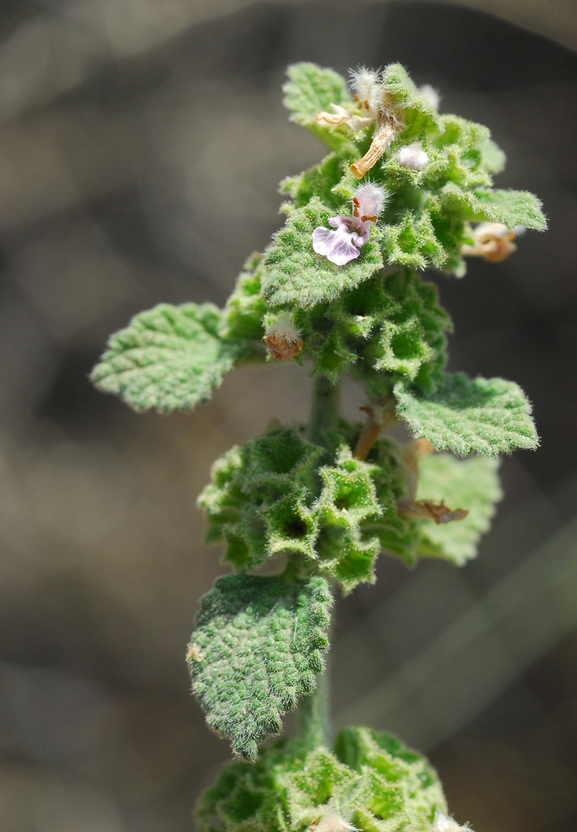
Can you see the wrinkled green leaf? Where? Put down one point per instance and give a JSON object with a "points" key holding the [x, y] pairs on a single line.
{"points": [[412, 242], [371, 781], [309, 89], [168, 358], [245, 309], [511, 208], [295, 274], [259, 501], [482, 416], [258, 646]]}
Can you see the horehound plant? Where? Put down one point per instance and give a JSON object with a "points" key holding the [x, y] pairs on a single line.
{"points": [[340, 290]]}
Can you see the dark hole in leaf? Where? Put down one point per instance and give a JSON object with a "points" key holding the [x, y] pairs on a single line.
{"points": [[296, 528]]}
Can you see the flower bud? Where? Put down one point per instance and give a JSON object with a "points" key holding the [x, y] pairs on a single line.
{"points": [[283, 339], [413, 156]]}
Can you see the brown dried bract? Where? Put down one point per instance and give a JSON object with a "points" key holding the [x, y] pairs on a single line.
{"points": [[492, 241], [429, 509], [282, 347], [387, 125], [283, 339], [343, 116]]}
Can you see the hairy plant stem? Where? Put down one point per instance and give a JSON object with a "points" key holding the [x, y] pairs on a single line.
{"points": [[324, 409], [313, 713]]}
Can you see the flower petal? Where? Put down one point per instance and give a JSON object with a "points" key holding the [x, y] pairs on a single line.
{"points": [[337, 246]]}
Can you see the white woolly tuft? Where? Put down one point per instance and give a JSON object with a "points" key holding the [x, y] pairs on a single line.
{"points": [[444, 823], [413, 156], [430, 96], [334, 823], [371, 200], [283, 329], [366, 83], [282, 338]]}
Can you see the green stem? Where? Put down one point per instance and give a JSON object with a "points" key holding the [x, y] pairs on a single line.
{"points": [[313, 713], [324, 409]]}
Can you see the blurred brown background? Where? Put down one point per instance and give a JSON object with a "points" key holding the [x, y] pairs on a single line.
{"points": [[141, 143]]}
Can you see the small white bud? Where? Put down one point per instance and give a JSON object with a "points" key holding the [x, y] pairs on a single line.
{"points": [[283, 339], [413, 156], [430, 96]]}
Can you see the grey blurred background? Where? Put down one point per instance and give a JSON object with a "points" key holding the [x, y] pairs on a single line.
{"points": [[141, 143]]}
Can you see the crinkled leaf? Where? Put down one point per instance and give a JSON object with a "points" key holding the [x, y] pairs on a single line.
{"points": [[168, 358], [412, 242], [417, 115], [397, 534], [356, 562], [258, 646], [260, 496], [309, 89], [246, 307], [295, 274], [511, 208], [263, 501], [372, 781], [320, 181], [407, 335], [468, 416], [471, 484]]}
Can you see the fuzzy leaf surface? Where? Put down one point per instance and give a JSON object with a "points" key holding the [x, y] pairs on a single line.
{"points": [[472, 484], [246, 307], [263, 501], [374, 782], [259, 644], [260, 498], [470, 416], [412, 242], [309, 89], [389, 327], [417, 115], [296, 275], [397, 534], [510, 208], [168, 358]]}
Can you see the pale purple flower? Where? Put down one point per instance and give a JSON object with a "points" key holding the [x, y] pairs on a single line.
{"points": [[350, 233]]}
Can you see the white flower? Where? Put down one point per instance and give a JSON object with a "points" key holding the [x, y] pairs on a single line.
{"points": [[413, 156]]}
